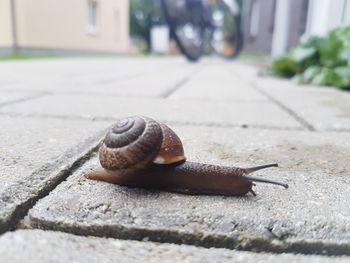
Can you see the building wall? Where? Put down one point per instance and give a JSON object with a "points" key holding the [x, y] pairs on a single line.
{"points": [[325, 15], [346, 18], [63, 25], [298, 20], [5, 24], [262, 41]]}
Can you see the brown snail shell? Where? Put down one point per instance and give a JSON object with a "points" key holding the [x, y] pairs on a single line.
{"points": [[134, 142], [130, 144], [171, 151]]}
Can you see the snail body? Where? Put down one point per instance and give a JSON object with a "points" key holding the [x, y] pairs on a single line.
{"points": [[139, 152]]}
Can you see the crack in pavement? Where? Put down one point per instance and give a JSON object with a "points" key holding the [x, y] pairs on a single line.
{"points": [[286, 109], [179, 84], [28, 98], [56, 172], [179, 123], [235, 242], [289, 111]]}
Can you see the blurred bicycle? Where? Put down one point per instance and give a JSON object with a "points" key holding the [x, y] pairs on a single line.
{"points": [[199, 26]]}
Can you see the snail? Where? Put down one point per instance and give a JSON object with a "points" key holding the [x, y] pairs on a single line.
{"points": [[140, 152]]}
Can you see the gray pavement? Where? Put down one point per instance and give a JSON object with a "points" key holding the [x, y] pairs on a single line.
{"points": [[61, 247], [54, 112], [259, 114]]}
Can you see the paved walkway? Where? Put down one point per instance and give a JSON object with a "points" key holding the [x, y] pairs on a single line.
{"points": [[54, 112]]}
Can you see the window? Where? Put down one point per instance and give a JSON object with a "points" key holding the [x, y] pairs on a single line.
{"points": [[117, 24], [92, 17], [254, 19]]}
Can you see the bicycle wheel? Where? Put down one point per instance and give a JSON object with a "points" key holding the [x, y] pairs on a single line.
{"points": [[186, 25], [226, 36]]}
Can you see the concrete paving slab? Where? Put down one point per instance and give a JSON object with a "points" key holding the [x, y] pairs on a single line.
{"points": [[79, 67], [116, 76], [152, 84], [48, 246], [34, 155], [260, 114], [137, 84], [7, 81], [11, 97], [312, 216], [246, 68], [323, 108], [217, 82]]}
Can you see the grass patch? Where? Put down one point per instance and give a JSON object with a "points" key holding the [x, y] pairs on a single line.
{"points": [[254, 56], [24, 56]]}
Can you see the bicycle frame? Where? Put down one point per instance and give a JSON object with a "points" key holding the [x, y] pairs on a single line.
{"points": [[192, 24]]}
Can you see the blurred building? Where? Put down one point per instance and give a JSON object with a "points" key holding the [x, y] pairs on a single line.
{"points": [[64, 26], [274, 26], [259, 24], [325, 15]]}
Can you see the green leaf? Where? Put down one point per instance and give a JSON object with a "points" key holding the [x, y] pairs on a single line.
{"points": [[313, 41], [342, 77], [323, 77], [285, 67], [298, 79], [337, 77], [302, 54], [331, 50], [310, 73]]}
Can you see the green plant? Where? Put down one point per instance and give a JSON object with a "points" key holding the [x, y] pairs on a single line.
{"points": [[144, 14], [320, 61]]}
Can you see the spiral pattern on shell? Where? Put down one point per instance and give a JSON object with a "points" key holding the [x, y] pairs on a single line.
{"points": [[131, 144]]}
